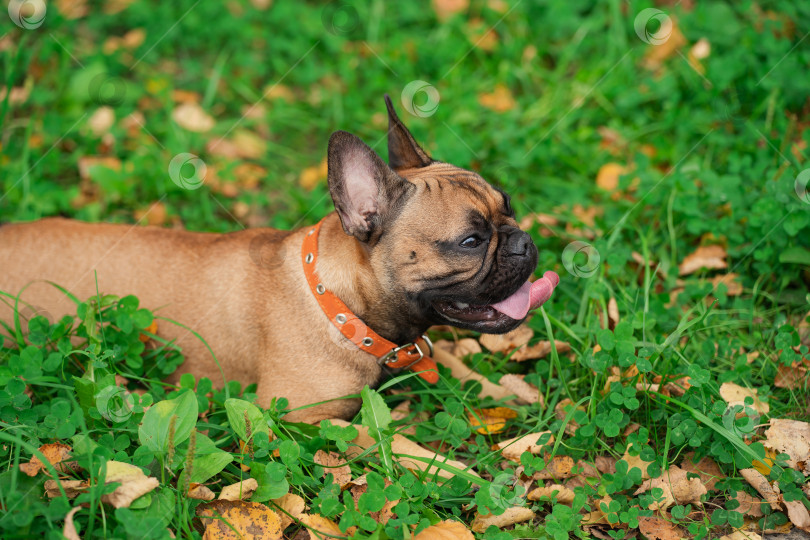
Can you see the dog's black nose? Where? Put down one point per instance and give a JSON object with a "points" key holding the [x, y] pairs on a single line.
{"points": [[518, 243]]}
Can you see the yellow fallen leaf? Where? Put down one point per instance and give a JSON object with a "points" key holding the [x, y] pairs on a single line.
{"points": [[239, 520], [291, 506], [791, 437], [481, 35], [557, 468], [312, 176], [734, 394], [133, 484], [710, 257], [506, 342], [553, 492], [636, 461], [608, 176], [56, 454], [192, 117], [669, 40], [511, 516], [445, 530], [239, 491], [320, 528], [513, 448], [488, 421], [499, 100], [445, 9]]}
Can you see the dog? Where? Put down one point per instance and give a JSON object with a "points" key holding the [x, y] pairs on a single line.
{"points": [[314, 314]]}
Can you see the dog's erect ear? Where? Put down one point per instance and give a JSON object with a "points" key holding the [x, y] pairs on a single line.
{"points": [[403, 151], [364, 189]]}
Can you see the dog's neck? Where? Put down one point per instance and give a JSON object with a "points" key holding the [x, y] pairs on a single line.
{"points": [[345, 269]]}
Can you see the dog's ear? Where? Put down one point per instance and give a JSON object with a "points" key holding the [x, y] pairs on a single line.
{"points": [[364, 189], [403, 151]]}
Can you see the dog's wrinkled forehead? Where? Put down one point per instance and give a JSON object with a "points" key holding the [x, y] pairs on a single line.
{"points": [[459, 190]]}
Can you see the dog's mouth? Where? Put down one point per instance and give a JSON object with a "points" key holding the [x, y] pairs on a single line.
{"points": [[499, 316]]}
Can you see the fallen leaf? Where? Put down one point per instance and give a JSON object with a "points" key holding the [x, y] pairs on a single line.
{"points": [[192, 117], [57, 455], [465, 346], [699, 51], [279, 91], [798, 514], [69, 530], [18, 95], [734, 394], [793, 376], [237, 520], [512, 515], [481, 35], [359, 486], [488, 421], [748, 504], [740, 535], [333, 464], [499, 100], [463, 373], [711, 257], [525, 392], [134, 483], [636, 461], [290, 505], [445, 9], [445, 530], [613, 313], [239, 491], [656, 528], [155, 215], [249, 145], [200, 492], [88, 163], [72, 9], [321, 528], [561, 494], [706, 468], [134, 38], [185, 96], [557, 468], [506, 342], [791, 437], [676, 487], [763, 487], [669, 40], [608, 175], [541, 349], [101, 121], [312, 176], [513, 448], [733, 286], [767, 462], [72, 488], [605, 464]]}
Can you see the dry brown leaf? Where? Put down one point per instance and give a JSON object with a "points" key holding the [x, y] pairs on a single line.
{"points": [[699, 51], [402, 446], [192, 117], [72, 488], [18, 95], [741, 535], [656, 528], [798, 514], [185, 96], [312, 176], [463, 373], [561, 494], [333, 464], [557, 468], [706, 468], [155, 214], [134, 483], [791, 437], [608, 176], [515, 514], [321, 528], [69, 530], [274, 92], [636, 461], [676, 487], [72, 9], [667, 47], [445, 530], [239, 520], [481, 35], [488, 421], [506, 342], [605, 464], [291, 504], [613, 313], [513, 448], [200, 492], [763, 487], [499, 100], [466, 346], [792, 376], [730, 280], [249, 145], [88, 163], [57, 455], [359, 486], [525, 392], [711, 257], [748, 504], [239, 491], [101, 121], [447, 8], [734, 394], [541, 349]]}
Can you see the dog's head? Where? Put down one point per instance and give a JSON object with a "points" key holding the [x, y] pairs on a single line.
{"points": [[442, 241]]}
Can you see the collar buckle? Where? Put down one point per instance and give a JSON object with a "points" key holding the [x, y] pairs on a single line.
{"points": [[391, 356]]}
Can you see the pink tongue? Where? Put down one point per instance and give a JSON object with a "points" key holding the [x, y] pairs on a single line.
{"points": [[529, 296]]}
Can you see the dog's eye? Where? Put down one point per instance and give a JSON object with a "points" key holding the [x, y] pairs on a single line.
{"points": [[471, 241]]}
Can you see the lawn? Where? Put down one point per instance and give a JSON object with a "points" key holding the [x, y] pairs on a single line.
{"points": [[657, 153]]}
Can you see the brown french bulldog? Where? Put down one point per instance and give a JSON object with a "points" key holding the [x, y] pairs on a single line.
{"points": [[412, 244]]}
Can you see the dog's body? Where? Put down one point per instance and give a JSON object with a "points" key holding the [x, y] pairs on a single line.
{"points": [[410, 245]]}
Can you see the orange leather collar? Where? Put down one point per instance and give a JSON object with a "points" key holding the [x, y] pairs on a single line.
{"points": [[411, 355]]}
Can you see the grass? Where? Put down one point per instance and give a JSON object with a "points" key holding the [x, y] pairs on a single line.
{"points": [[710, 149]]}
